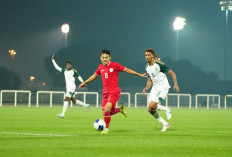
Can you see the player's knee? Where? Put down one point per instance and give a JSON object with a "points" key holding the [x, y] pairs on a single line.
{"points": [[66, 99], [151, 110], [73, 100], [108, 107]]}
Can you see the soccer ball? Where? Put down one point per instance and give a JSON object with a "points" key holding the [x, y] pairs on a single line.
{"points": [[99, 124]]}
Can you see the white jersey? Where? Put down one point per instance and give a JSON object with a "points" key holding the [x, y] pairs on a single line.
{"points": [[157, 74], [70, 76]]}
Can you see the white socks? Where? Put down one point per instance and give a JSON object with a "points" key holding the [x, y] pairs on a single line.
{"points": [[78, 102], [159, 118], [65, 107], [161, 108]]}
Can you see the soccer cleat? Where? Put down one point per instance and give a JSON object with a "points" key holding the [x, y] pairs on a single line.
{"points": [[60, 115], [123, 111], [168, 113], [86, 107], [104, 132], [165, 127]]}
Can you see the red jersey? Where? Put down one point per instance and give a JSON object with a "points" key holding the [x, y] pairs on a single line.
{"points": [[109, 76]]}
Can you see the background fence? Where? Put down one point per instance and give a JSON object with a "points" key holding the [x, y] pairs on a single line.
{"points": [[55, 98]]}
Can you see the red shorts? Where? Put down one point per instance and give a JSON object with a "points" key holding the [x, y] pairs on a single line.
{"points": [[110, 97]]}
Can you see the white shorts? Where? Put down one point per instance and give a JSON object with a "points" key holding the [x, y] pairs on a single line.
{"points": [[70, 92], [158, 95]]}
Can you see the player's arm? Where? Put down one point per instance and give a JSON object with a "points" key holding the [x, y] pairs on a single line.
{"points": [[149, 83], [76, 74], [92, 78], [55, 65], [132, 72], [173, 75], [80, 79]]}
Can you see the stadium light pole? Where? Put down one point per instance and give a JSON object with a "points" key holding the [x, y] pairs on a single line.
{"points": [[178, 25], [65, 29], [226, 5]]}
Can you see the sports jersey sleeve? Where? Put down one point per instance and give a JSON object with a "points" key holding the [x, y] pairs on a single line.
{"points": [[62, 70], [148, 76], [163, 67], [76, 74], [98, 71], [119, 67], [56, 66]]}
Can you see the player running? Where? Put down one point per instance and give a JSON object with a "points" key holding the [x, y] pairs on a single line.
{"points": [[70, 76], [156, 75], [111, 91]]}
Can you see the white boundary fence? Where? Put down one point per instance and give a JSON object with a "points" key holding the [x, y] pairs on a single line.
{"points": [[207, 96], [225, 100], [171, 94], [178, 99], [15, 97], [47, 92], [88, 93], [136, 98], [123, 93], [128, 97]]}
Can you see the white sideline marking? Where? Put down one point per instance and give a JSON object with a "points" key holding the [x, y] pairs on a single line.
{"points": [[35, 134]]}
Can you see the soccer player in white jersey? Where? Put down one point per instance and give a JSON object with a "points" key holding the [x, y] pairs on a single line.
{"points": [[157, 79], [70, 76]]}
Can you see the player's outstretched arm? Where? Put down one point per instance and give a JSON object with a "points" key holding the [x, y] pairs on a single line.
{"points": [[149, 83], [54, 63], [80, 79], [92, 78], [173, 75], [129, 71]]}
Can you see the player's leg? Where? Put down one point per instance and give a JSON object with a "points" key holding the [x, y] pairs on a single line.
{"points": [[65, 106], [78, 102], [114, 111], [114, 99], [152, 109], [162, 94], [153, 105], [107, 117]]}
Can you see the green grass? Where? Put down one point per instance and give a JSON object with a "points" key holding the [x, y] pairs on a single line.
{"points": [[193, 132]]}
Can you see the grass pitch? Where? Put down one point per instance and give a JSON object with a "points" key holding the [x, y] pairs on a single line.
{"points": [[38, 132]]}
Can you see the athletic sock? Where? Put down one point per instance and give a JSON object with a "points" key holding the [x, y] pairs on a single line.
{"points": [[162, 108], [115, 111], [65, 107], [159, 118], [78, 102], [107, 119]]}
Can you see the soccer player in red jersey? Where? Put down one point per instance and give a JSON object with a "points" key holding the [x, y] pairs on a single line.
{"points": [[111, 91]]}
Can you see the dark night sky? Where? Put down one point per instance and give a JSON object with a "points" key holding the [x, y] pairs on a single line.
{"points": [[32, 28]]}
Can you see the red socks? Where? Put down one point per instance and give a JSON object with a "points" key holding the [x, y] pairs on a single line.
{"points": [[114, 111], [107, 116], [107, 119]]}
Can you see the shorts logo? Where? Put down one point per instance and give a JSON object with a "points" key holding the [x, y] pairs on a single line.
{"points": [[111, 69]]}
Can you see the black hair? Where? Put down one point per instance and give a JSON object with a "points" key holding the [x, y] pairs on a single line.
{"points": [[69, 62], [150, 50], [105, 51]]}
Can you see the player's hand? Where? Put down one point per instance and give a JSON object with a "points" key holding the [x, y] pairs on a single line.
{"points": [[176, 88], [143, 75], [82, 85], [144, 90], [53, 55]]}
